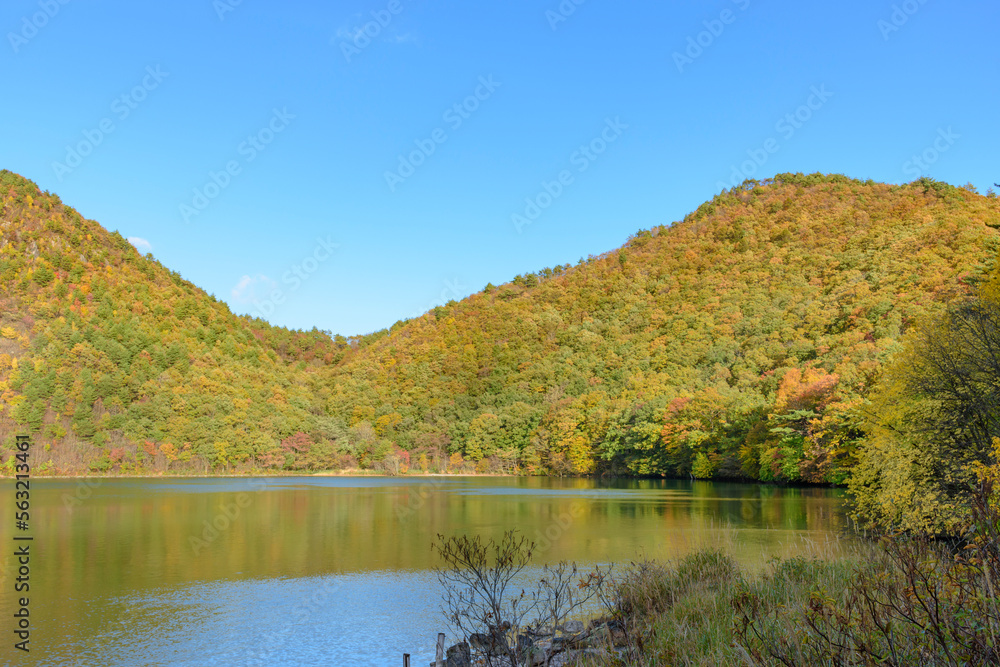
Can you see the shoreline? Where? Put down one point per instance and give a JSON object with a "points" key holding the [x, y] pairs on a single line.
{"points": [[429, 475]]}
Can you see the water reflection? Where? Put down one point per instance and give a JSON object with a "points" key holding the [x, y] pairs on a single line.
{"points": [[207, 566]]}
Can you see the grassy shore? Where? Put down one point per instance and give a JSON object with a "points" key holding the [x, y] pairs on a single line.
{"points": [[899, 600], [685, 613]]}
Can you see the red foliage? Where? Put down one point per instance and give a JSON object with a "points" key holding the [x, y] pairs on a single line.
{"points": [[403, 456], [677, 405], [272, 459], [810, 389], [298, 443]]}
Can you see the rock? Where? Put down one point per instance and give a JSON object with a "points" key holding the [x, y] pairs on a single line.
{"points": [[599, 637], [618, 636], [459, 655], [567, 658], [489, 645], [567, 642], [572, 627], [493, 642], [535, 656]]}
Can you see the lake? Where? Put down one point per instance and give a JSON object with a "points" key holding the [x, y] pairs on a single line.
{"points": [[337, 570]]}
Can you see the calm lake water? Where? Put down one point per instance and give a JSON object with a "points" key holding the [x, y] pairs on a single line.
{"points": [[336, 570]]}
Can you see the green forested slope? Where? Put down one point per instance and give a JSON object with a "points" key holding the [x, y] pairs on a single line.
{"points": [[739, 342], [114, 362]]}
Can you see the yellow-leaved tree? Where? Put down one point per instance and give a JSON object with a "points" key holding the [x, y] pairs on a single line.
{"points": [[934, 419]]}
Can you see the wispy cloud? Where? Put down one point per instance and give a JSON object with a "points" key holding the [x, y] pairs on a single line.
{"points": [[251, 289], [141, 244]]}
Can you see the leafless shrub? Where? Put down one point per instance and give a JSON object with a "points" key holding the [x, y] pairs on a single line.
{"points": [[500, 620]]}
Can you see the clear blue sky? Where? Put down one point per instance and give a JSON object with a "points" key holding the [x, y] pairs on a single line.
{"points": [[200, 78]]}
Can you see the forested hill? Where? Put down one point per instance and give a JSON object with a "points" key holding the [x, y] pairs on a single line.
{"points": [[116, 363], [739, 342]]}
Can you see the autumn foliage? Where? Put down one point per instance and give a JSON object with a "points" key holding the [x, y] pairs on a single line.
{"points": [[740, 342]]}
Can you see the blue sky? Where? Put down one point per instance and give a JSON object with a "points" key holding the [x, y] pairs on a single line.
{"points": [[307, 161]]}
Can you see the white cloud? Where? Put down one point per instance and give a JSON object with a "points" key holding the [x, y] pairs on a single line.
{"points": [[142, 245], [253, 289]]}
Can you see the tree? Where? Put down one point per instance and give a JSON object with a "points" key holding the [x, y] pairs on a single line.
{"points": [[484, 432], [499, 619], [702, 468], [934, 420], [43, 275]]}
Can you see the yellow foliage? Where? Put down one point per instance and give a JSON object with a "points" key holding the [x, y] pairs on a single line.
{"points": [[990, 473], [362, 413], [578, 452], [384, 424], [696, 311], [169, 451]]}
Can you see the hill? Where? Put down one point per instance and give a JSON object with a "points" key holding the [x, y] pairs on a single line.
{"points": [[116, 363], [739, 342]]}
